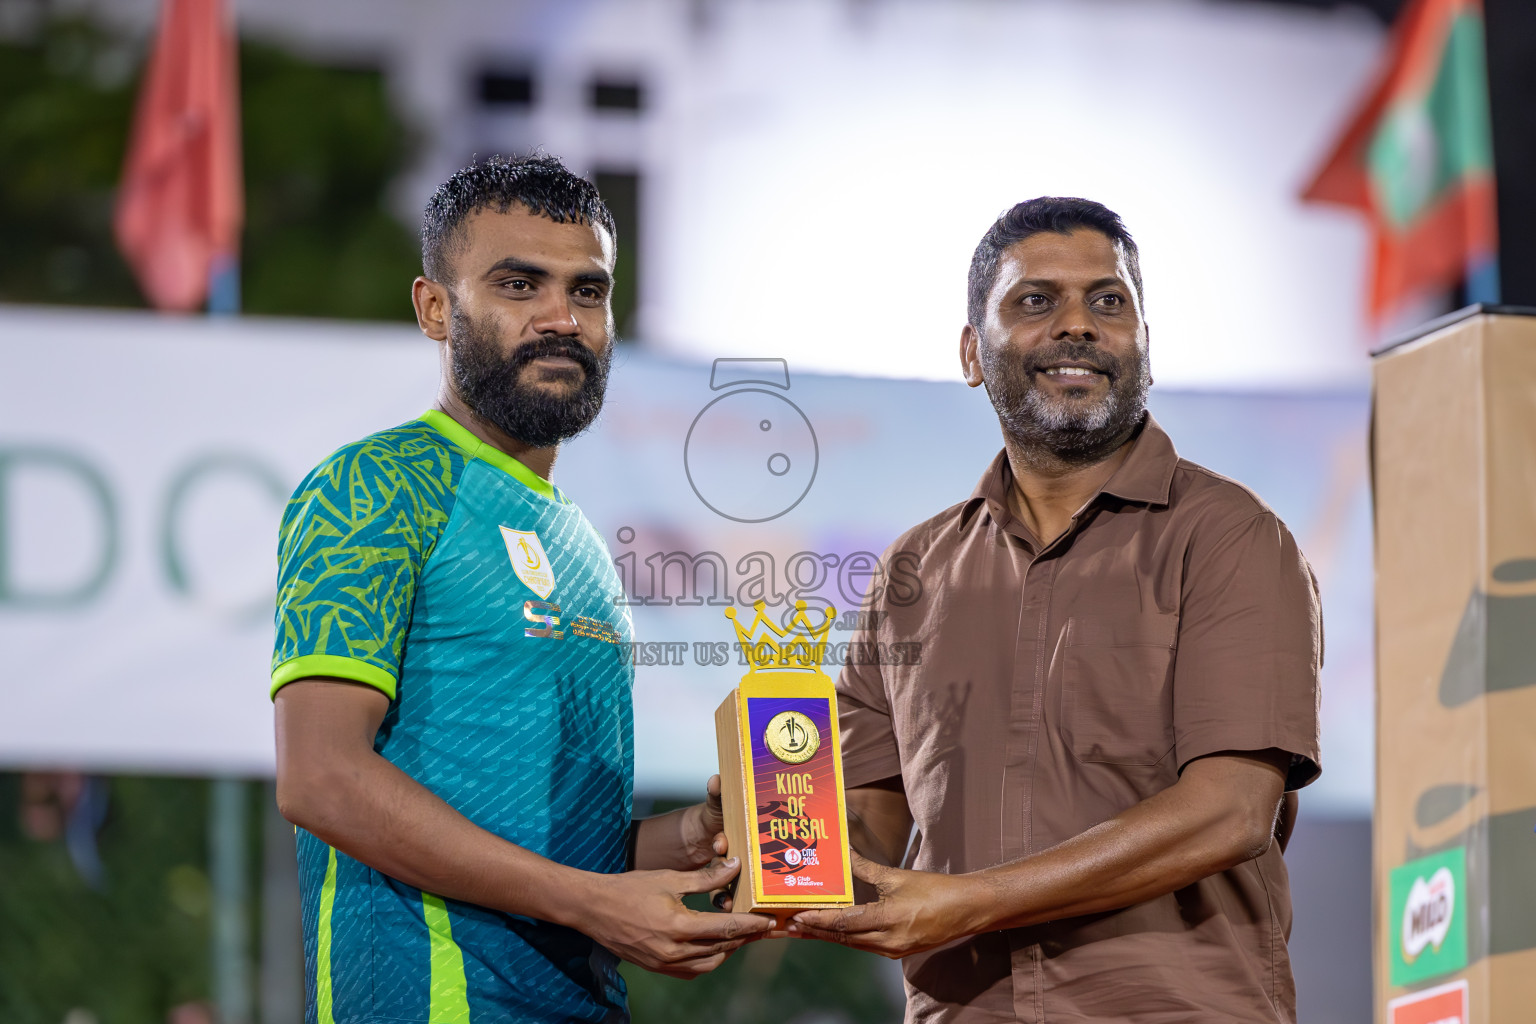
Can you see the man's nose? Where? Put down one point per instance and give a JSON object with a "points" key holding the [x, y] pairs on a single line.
{"points": [[555, 316], [1074, 322]]}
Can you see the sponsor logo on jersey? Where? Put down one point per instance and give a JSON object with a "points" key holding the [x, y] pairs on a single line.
{"points": [[529, 560], [596, 629], [545, 618]]}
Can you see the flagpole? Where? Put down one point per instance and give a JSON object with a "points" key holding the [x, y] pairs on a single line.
{"points": [[1483, 282], [229, 816], [229, 799], [229, 871], [224, 286]]}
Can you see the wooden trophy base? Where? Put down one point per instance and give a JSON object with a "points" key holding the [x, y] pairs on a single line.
{"points": [[781, 791]]}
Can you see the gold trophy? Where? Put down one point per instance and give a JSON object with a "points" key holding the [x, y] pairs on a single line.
{"points": [[781, 771]]}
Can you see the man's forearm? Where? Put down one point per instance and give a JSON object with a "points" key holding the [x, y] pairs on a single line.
{"points": [[1220, 813], [375, 813], [1163, 844]]}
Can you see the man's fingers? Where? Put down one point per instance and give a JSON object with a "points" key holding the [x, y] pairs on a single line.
{"points": [[687, 970], [818, 919], [694, 950], [859, 919], [720, 845], [691, 926], [714, 812], [835, 927], [842, 938], [873, 942]]}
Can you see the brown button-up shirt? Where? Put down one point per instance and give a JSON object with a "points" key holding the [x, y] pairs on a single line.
{"points": [[1058, 685]]}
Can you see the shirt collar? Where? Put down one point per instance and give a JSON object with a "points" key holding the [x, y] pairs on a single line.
{"points": [[1146, 476]]}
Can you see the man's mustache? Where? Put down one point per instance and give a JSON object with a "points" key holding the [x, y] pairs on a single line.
{"points": [[1086, 356], [551, 345]]}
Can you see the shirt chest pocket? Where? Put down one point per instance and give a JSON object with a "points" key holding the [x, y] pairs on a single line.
{"points": [[1117, 687]]}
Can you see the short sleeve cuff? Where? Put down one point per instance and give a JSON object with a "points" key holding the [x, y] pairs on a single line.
{"points": [[335, 667], [1304, 756]]}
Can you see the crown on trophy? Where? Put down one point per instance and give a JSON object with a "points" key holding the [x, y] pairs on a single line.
{"points": [[800, 646]]}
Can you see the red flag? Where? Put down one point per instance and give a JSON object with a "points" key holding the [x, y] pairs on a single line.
{"points": [[181, 200], [1417, 158]]}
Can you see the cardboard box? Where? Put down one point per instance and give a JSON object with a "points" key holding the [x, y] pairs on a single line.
{"points": [[1454, 477]]}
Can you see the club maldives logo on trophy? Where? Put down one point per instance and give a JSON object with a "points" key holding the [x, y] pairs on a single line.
{"points": [[781, 770]]}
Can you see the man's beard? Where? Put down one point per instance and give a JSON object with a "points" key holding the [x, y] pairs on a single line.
{"points": [[1067, 426], [491, 384]]}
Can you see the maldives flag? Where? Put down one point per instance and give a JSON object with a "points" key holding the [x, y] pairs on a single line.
{"points": [[181, 200], [1418, 158]]}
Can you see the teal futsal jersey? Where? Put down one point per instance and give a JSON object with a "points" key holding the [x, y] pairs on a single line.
{"points": [[477, 598]]}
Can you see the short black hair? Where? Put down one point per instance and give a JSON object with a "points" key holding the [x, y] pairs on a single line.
{"points": [[1057, 214], [540, 183]]}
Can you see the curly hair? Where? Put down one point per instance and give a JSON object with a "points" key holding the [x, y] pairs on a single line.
{"points": [[541, 184]]}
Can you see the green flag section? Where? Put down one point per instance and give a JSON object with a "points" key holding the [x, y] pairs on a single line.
{"points": [[1417, 158]]}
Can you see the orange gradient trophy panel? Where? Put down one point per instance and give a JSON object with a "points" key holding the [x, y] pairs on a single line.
{"points": [[781, 770]]}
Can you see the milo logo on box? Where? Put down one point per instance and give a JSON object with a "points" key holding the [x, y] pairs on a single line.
{"points": [[1428, 922]]}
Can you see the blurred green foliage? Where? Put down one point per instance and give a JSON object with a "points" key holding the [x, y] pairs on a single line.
{"points": [[321, 146], [127, 951], [773, 982]]}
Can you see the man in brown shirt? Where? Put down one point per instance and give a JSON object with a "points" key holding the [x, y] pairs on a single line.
{"points": [[1116, 693]]}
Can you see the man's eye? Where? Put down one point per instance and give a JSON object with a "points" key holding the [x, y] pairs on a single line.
{"points": [[518, 284], [1112, 301], [1035, 300]]}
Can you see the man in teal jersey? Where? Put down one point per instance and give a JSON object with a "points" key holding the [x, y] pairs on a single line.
{"points": [[452, 686]]}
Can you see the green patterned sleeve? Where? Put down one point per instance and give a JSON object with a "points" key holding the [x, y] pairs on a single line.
{"points": [[354, 539]]}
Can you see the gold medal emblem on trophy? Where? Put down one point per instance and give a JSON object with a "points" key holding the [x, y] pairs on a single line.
{"points": [[781, 770]]}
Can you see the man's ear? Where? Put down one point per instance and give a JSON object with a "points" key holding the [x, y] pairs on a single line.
{"points": [[1146, 332], [431, 302], [970, 358]]}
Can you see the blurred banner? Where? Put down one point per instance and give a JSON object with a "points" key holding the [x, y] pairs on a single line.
{"points": [[144, 461]]}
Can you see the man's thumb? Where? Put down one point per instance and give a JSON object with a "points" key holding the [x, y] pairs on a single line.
{"points": [[708, 879], [866, 870]]}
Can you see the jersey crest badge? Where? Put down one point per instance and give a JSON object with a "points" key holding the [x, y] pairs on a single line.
{"points": [[529, 560]]}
